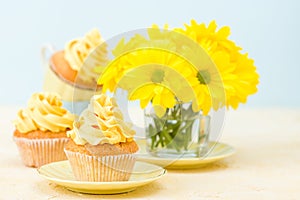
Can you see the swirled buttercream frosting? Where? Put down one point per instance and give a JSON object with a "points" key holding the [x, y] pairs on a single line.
{"points": [[44, 112], [84, 54], [102, 122]]}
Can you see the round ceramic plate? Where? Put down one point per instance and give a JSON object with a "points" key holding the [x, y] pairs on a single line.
{"points": [[217, 152], [61, 174]]}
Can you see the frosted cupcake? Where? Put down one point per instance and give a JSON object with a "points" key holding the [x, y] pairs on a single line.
{"points": [[71, 71], [41, 130], [102, 146]]}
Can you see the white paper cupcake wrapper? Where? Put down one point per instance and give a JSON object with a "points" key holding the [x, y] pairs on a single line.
{"points": [[101, 169], [37, 152]]}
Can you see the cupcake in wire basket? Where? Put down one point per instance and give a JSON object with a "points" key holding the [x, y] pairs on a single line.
{"points": [[102, 147], [40, 133]]}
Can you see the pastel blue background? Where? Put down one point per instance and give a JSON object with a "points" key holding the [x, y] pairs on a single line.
{"points": [[268, 30]]}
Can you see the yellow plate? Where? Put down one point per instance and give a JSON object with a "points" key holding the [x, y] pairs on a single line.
{"points": [[217, 151], [61, 174]]}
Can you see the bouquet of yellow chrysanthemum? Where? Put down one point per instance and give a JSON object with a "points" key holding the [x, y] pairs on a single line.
{"points": [[152, 69], [198, 64]]}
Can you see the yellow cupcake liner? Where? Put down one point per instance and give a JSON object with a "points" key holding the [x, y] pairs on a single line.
{"points": [[67, 91]]}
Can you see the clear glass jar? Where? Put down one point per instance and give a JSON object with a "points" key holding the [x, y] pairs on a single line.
{"points": [[179, 133]]}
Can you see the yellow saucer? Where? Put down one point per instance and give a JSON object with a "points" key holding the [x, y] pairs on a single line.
{"points": [[217, 151], [61, 174]]}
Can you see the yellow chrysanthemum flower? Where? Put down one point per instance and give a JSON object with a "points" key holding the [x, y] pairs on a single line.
{"points": [[161, 97], [238, 73], [209, 37], [152, 74]]}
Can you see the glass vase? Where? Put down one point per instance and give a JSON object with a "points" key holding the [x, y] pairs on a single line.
{"points": [[179, 133]]}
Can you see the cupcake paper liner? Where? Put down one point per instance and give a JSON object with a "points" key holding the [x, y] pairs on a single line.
{"points": [[101, 168], [37, 152]]}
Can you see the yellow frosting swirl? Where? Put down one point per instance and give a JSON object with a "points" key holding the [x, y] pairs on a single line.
{"points": [[102, 122], [44, 112], [91, 46]]}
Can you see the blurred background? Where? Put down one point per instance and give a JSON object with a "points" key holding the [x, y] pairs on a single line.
{"points": [[268, 30]]}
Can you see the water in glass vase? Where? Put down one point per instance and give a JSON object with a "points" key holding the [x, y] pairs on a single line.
{"points": [[179, 133]]}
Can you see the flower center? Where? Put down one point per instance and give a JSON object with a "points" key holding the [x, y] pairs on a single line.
{"points": [[158, 76], [204, 77]]}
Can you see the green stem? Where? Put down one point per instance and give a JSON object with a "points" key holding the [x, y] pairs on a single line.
{"points": [[174, 130], [170, 141]]}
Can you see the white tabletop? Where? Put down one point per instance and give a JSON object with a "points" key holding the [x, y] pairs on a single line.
{"points": [[265, 166]]}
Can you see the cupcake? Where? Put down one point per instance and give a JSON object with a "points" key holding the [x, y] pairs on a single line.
{"points": [[71, 71], [101, 146], [41, 128]]}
